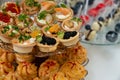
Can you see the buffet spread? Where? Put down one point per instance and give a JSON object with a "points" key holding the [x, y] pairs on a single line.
{"points": [[39, 40]]}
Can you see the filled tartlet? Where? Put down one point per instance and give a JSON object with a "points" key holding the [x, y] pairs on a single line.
{"points": [[51, 30], [58, 76], [8, 32], [23, 21], [5, 68], [5, 19], [6, 56], [12, 8], [23, 43], [73, 24], [73, 70], [48, 68], [27, 70], [68, 38], [13, 76], [48, 5], [47, 44], [63, 13], [43, 18], [30, 6]]}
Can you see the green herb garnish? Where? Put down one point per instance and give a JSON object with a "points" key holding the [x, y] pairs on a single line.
{"points": [[32, 3], [61, 5], [12, 34], [24, 37], [47, 28], [42, 15], [60, 34], [76, 19], [39, 38], [22, 17]]}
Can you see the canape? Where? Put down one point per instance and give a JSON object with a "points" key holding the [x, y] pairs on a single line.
{"points": [[8, 32], [51, 30], [5, 19], [47, 44], [63, 13], [23, 43], [23, 21], [43, 18], [30, 6], [12, 8], [48, 6], [73, 24], [68, 38]]}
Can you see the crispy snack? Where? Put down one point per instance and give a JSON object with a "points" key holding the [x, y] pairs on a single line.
{"points": [[27, 70], [47, 68], [73, 70]]}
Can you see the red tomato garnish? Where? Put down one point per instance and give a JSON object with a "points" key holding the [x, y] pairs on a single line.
{"points": [[4, 17], [100, 6], [13, 8], [93, 12], [84, 18]]}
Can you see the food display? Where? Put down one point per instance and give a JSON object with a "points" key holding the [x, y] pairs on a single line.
{"points": [[39, 39]]}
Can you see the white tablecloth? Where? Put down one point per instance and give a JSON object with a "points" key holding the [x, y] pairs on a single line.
{"points": [[104, 62]]}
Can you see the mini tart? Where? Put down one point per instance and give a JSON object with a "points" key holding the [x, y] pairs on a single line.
{"points": [[30, 7], [5, 19], [48, 6], [48, 68], [8, 32], [51, 30], [63, 14], [11, 8], [27, 70], [71, 41], [5, 68], [23, 58], [73, 70], [48, 48], [58, 76], [23, 21], [6, 56], [13, 76], [43, 18], [71, 25], [25, 47]]}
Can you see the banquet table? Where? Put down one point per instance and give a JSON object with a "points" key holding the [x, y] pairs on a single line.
{"points": [[104, 62]]}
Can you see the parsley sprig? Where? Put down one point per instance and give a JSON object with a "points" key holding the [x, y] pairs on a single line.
{"points": [[42, 15]]}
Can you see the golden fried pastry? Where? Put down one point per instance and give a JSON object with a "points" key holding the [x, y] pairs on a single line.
{"points": [[13, 76], [77, 53], [30, 6], [37, 78], [73, 70], [27, 70], [58, 76], [5, 68], [47, 68], [6, 56], [23, 58]]}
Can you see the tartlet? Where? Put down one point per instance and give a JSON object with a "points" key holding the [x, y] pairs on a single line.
{"points": [[23, 21], [30, 7], [47, 44], [51, 30], [73, 24], [63, 13], [5, 19], [69, 38], [8, 32], [24, 43], [43, 18], [12, 8], [48, 68]]}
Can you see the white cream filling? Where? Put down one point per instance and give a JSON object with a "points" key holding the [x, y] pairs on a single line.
{"points": [[75, 25], [61, 16], [41, 21], [30, 41]]}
